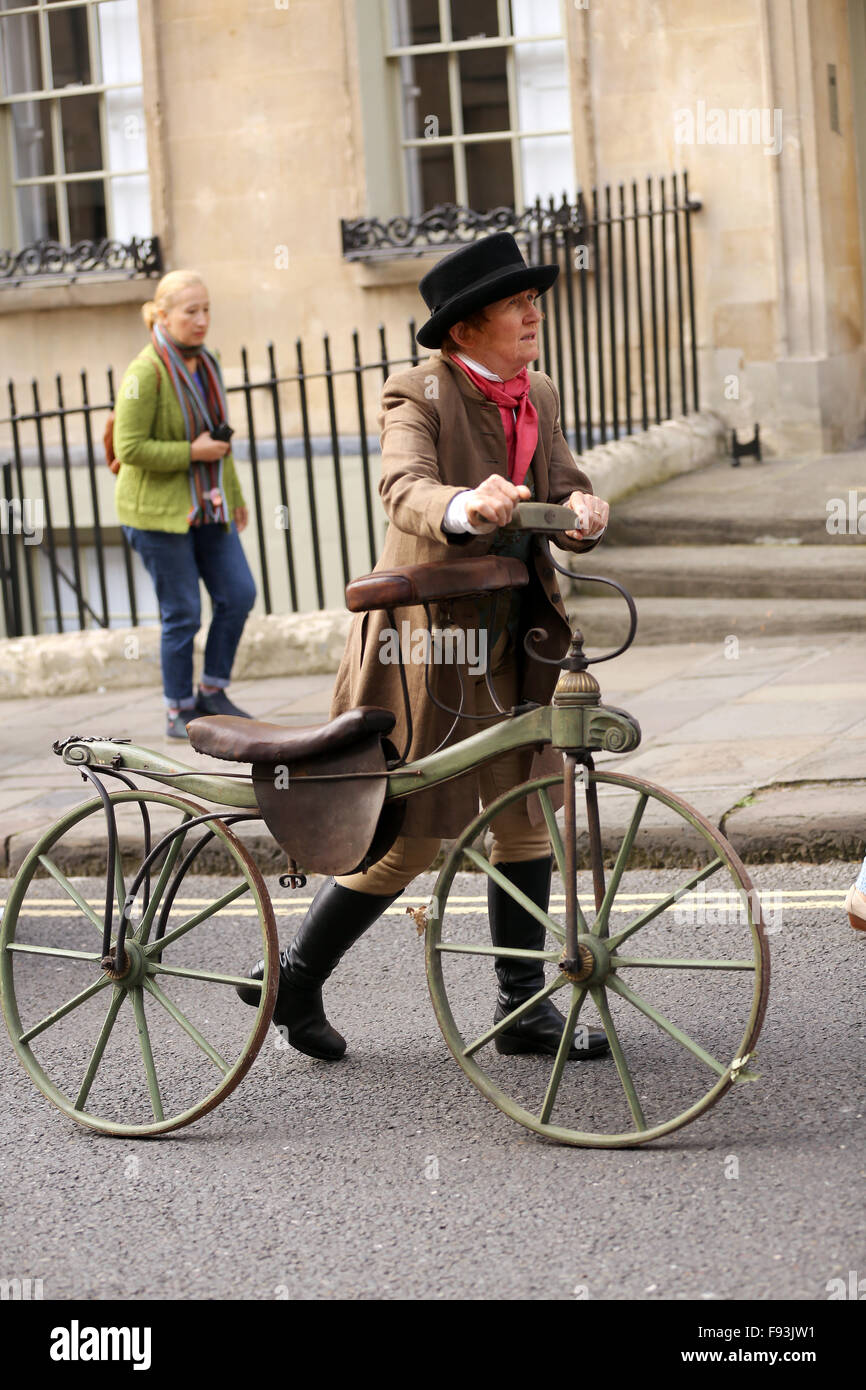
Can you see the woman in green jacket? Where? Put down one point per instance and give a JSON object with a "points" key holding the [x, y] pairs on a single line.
{"points": [[178, 498]]}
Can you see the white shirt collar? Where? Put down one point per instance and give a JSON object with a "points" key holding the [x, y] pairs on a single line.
{"points": [[477, 367]]}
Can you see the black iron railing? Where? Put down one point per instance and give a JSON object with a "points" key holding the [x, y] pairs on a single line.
{"points": [[141, 256], [619, 341], [619, 338]]}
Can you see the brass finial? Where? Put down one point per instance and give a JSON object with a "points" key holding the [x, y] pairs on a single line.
{"points": [[576, 685]]}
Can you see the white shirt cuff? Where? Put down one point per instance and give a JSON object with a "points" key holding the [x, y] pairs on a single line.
{"points": [[455, 518]]}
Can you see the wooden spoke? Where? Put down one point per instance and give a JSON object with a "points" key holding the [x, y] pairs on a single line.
{"points": [[600, 926], [600, 1000], [652, 1013], [117, 999], [514, 1015], [209, 976], [526, 903], [553, 831], [666, 902], [180, 1017], [673, 964], [71, 891], [165, 873], [64, 1009], [147, 1054], [577, 998], [29, 950], [216, 906], [515, 952]]}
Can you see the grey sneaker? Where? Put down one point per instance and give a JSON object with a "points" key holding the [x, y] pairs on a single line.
{"points": [[175, 724], [218, 702]]}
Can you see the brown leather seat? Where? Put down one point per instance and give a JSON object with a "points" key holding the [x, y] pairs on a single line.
{"points": [[408, 584], [253, 741]]}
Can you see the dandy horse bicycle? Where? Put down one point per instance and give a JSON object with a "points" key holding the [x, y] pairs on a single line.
{"points": [[144, 1034]]}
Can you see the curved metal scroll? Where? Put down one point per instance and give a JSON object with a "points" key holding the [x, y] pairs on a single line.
{"points": [[592, 579]]}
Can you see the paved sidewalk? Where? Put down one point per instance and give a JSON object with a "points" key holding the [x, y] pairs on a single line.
{"points": [[767, 739]]}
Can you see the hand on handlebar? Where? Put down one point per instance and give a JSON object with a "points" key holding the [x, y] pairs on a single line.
{"points": [[592, 515], [491, 504]]}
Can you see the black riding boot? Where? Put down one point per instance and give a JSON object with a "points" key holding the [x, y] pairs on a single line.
{"points": [[335, 919], [540, 1030]]}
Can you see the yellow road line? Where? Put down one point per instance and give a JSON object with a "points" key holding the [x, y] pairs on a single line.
{"points": [[294, 909]]}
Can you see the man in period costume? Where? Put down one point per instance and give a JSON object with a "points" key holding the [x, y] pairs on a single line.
{"points": [[465, 435]]}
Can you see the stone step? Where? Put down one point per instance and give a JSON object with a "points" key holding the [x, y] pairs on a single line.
{"points": [[778, 499], [730, 571], [604, 621]]}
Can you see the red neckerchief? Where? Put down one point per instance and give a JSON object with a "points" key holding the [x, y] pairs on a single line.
{"points": [[520, 438]]}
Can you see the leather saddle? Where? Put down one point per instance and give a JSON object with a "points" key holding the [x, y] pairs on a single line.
{"points": [[321, 789]]}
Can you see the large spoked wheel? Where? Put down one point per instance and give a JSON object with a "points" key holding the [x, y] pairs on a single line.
{"points": [[674, 966], [154, 1044]]}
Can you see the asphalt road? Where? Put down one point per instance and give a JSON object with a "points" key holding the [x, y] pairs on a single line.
{"points": [[389, 1176]]}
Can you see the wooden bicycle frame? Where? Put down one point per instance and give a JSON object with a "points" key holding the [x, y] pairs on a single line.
{"points": [[575, 722]]}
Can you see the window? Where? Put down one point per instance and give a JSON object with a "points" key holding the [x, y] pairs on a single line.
{"points": [[72, 137], [484, 101]]}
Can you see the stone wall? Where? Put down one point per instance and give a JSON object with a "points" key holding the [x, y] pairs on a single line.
{"points": [[309, 643], [256, 148]]}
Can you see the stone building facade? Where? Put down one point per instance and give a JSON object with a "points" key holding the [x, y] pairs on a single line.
{"points": [[265, 124]]}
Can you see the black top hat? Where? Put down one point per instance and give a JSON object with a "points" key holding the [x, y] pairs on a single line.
{"points": [[482, 272]]}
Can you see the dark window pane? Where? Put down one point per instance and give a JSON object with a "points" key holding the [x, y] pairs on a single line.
{"points": [[82, 146], [484, 90], [31, 129], [70, 51], [20, 58], [474, 19], [490, 176], [435, 177], [425, 93], [37, 208], [86, 210], [415, 21], [16, 4]]}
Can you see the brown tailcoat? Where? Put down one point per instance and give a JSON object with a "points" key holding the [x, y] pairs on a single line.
{"points": [[439, 436]]}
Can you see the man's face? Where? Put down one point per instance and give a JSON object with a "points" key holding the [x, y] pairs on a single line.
{"points": [[509, 334]]}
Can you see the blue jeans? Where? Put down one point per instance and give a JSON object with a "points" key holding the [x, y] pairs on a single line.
{"points": [[176, 562]]}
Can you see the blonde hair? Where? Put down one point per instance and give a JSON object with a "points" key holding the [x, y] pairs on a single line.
{"points": [[169, 287]]}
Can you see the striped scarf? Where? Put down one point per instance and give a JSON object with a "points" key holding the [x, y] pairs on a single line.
{"points": [[202, 409]]}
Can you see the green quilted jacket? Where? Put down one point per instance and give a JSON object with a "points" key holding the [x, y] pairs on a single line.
{"points": [[152, 491]]}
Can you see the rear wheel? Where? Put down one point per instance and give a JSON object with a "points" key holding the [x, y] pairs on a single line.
{"points": [[152, 1049]]}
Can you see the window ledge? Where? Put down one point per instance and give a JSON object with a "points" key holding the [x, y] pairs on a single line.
{"points": [[85, 293], [399, 270]]}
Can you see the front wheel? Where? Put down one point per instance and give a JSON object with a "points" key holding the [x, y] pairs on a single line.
{"points": [[675, 972]]}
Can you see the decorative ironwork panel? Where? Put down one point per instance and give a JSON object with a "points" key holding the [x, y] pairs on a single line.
{"points": [[141, 256], [369, 238]]}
